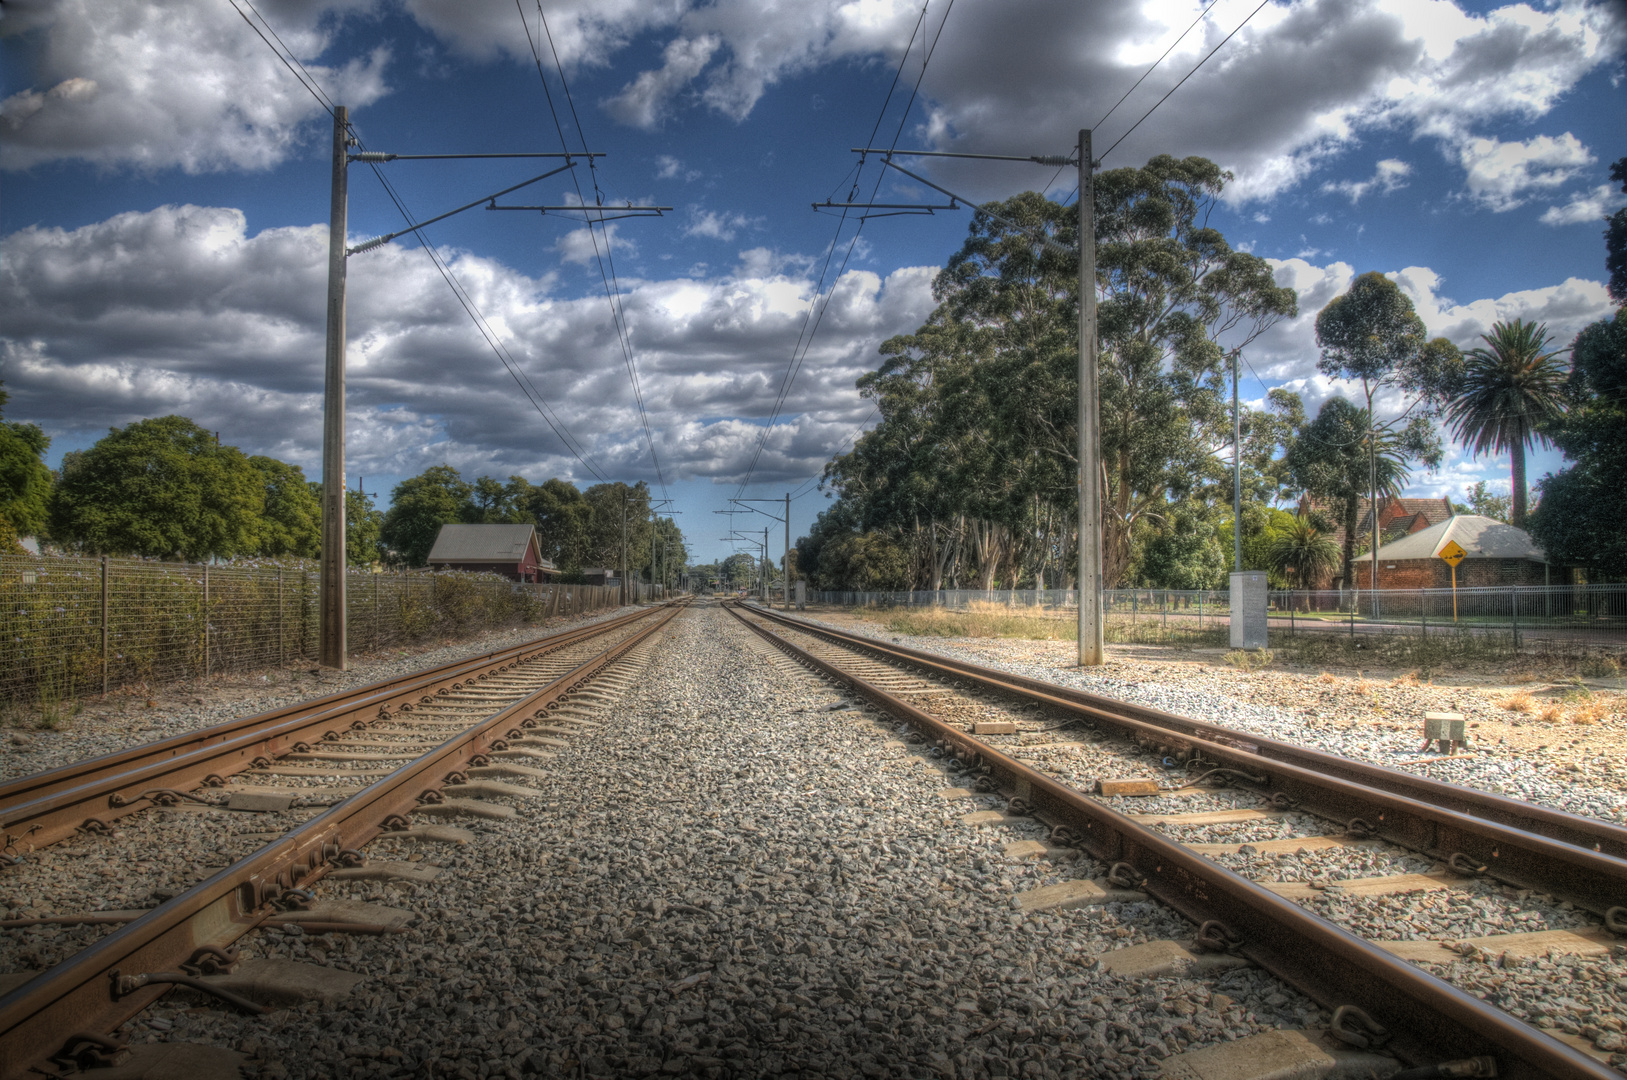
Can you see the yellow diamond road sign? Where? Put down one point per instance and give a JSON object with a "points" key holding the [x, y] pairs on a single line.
{"points": [[1452, 553]]}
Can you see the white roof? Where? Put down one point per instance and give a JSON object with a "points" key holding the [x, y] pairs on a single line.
{"points": [[1480, 537]]}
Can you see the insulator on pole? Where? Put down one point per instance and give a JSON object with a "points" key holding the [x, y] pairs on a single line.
{"points": [[1054, 159], [377, 241], [372, 155]]}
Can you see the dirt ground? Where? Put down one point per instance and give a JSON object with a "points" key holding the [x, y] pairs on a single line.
{"points": [[1527, 708]]}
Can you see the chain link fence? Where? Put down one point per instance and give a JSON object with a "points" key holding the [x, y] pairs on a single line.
{"points": [[75, 626]]}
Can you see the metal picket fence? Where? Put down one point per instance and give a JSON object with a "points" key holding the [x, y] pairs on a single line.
{"points": [[1546, 618], [74, 626]]}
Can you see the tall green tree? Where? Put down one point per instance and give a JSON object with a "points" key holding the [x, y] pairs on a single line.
{"points": [[162, 488], [1335, 457], [1579, 520], [1371, 334], [978, 431], [1487, 503], [608, 506], [1511, 388], [25, 482], [291, 521], [564, 521], [419, 506], [492, 502]]}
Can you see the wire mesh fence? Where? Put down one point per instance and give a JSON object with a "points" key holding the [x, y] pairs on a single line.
{"points": [[75, 626], [1533, 618]]}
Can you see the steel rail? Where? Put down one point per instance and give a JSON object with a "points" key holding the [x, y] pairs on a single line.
{"points": [[83, 993], [1468, 844], [1584, 832], [1431, 1020], [43, 808]]}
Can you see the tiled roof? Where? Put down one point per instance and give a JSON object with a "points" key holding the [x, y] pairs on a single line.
{"points": [[481, 543]]}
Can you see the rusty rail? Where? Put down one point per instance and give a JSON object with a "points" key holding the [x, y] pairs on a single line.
{"points": [[1433, 1021], [1428, 816], [83, 993], [44, 808]]}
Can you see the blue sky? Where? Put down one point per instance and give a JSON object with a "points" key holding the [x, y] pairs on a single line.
{"points": [[165, 186]]}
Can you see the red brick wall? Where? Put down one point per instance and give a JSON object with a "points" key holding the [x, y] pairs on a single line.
{"points": [[1436, 574]]}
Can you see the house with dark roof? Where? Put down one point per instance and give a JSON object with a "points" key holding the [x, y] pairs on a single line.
{"points": [[510, 550], [1494, 554]]}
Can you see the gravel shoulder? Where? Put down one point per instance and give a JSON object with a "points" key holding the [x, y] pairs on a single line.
{"points": [[1372, 716], [140, 714]]}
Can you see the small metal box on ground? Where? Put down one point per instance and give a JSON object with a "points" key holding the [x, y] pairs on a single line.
{"points": [[1248, 603], [1445, 728]]}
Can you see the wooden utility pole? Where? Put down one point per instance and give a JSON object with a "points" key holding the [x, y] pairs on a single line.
{"points": [[1091, 652], [331, 609], [786, 562]]}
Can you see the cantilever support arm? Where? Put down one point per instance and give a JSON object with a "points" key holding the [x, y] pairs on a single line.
{"points": [[380, 241], [1041, 237]]}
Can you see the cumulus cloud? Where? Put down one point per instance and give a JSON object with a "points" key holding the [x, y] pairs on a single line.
{"points": [[1587, 206], [718, 226], [669, 167], [647, 100], [1498, 172], [1390, 175], [1286, 354], [181, 309], [176, 83]]}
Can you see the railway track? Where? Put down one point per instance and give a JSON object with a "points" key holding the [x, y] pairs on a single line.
{"points": [[362, 764], [1377, 995]]}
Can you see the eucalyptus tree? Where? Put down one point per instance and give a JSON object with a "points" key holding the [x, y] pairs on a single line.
{"points": [[1372, 335], [979, 406]]}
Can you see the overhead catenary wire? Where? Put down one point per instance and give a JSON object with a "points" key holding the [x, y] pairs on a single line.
{"points": [[482, 326], [1185, 77], [805, 341], [612, 285]]}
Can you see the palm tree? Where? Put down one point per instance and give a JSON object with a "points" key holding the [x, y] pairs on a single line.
{"points": [[1301, 551], [1509, 390]]}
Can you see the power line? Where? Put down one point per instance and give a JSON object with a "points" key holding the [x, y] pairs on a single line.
{"points": [[805, 341], [1156, 62], [612, 284], [1185, 77], [482, 326]]}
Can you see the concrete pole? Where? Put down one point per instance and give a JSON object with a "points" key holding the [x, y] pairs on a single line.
{"points": [[624, 547], [331, 610], [786, 562], [1091, 652], [1237, 475]]}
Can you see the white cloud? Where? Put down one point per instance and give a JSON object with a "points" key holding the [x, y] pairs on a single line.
{"points": [[177, 83], [710, 223], [647, 100], [585, 245], [1286, 354], [181, 310], [670, 167], [1584, 207], [1390, 175], [1499, 171]]}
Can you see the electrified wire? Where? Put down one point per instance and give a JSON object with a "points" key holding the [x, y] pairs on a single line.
{"points": [[1185, 77], [612, 284], [482, 326], [797, 361]]}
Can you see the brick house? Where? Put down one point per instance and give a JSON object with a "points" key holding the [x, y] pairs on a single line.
{"points": [[1397, 517], [1497, 554], [510, 550]]}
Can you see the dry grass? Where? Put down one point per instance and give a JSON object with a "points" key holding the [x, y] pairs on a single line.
{"points": [[1593, 711], [1409, 679], [1363, 686], [1551, 713], [980, 619], [1519, 702], [1326, 678]]}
